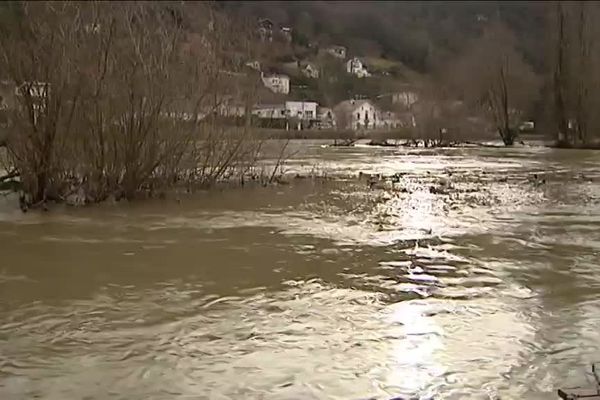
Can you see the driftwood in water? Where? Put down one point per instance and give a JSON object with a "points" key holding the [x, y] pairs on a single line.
{"points": [[578, 393], [344, 142], [583, 393], [10, 175], [383, 143]]}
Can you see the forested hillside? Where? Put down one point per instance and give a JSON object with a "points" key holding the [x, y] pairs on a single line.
{"points": [[420, 34]]}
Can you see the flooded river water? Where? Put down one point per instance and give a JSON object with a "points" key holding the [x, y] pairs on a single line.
{"points": [[471, 280]]}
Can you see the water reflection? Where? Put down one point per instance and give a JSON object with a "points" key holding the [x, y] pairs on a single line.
{"points": [[483, 287]]}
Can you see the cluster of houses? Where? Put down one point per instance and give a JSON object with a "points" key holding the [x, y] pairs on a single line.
{"points": [[267, 31], [280, 82], [347, 115]]}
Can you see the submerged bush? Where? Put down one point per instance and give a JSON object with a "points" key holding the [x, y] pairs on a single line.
{"points": [[110, 101]]}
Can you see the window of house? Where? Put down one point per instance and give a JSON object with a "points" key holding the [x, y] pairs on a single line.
{"points": [[309, 114], [358, 115]]}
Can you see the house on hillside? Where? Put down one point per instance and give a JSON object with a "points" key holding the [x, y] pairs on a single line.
{"points": [[355, 66], [286, 33], [277, 83], [34, 89], [337, 51], [11, 97], [309, 69], [265, 29], [255, 65], [7, 102], [356, 114], [92, 27]]}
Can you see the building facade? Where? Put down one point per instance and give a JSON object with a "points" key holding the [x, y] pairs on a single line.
{"points": [[269, 111], [356, 67], [306, 110], [356, 115], [277, 83], [337, 51]]}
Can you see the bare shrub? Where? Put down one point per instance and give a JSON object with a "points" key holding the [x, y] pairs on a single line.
{"points": [[118, 100]]}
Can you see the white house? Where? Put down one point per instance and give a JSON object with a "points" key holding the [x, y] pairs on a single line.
{"points": [[309, 70], [34, 89], [265, 29], [255, 65], [92, 27], [301, 109], [337, 51], [356, 67], [356, 114], [304, 110], [286, 32], [277, 83]]}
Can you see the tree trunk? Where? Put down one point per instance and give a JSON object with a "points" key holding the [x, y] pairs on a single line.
{"points": [[507, 135], [563, 138]]}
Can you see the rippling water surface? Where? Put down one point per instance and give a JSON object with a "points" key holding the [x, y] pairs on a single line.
{"points": [[467, 279]]}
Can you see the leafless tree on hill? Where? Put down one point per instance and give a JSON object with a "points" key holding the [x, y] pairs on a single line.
{"points": [[492, 77]]}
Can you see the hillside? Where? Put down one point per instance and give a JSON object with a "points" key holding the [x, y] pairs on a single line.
{"points": [[419, 34]]}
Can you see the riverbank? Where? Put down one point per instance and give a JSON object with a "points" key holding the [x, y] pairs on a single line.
{"points": [[262, 174], [315, 134]]}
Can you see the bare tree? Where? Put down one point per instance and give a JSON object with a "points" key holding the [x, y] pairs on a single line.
{"points": [[492, 76], [575, 64], [118, 100], [559, 73]]}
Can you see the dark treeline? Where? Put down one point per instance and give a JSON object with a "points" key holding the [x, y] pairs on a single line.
{"points": [[418, 33]]}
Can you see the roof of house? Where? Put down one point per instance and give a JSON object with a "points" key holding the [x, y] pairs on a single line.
{"points": [[306, 64], [273, 72], [265, 21], [301, 102], [267, 106]]}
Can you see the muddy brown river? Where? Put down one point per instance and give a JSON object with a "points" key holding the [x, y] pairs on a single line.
{"points": [[468, 279]]}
